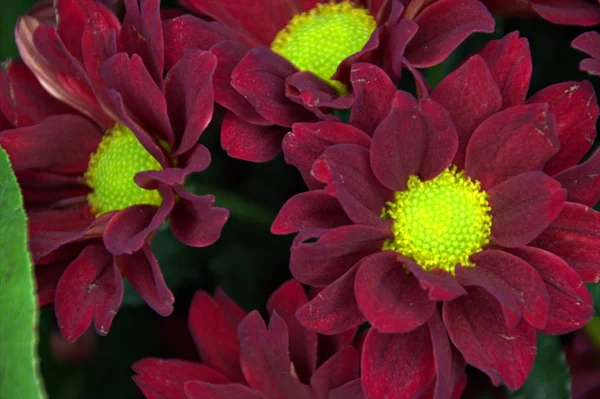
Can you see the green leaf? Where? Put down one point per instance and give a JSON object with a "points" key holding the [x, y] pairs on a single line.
{"points": [[594, 290], [19, 377], [550, 377]]}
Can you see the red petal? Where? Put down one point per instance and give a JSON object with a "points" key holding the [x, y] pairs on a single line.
{"points": [[232, 310], [309, 210], [285, 301], [589, 43], [204, 390], [575, 236], [582, 182], [383, 353], [215, 336], [509, 61], [523, 206], [512, 281], [335, 252], [476, 327], [569, 12], [444, 25], [513, 141], [350, 390], [307, 141], [449, 366], [470, 95], [414, 139], [143, 273], [390, 299], [90, 288], [254, 143], [335, 372], [571, 306], [442, 286], [46, 278], [334, 310], [576, 110]]}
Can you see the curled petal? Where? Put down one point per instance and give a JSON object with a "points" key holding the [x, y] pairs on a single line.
{"points": [[582, 181]]}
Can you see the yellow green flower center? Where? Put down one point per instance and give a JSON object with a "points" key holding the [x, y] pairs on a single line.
{"points": [[119, 157], [320, 39], [440, 222]]}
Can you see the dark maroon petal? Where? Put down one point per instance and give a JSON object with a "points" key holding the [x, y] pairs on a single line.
{"points": [[194, 219], [476, 326], [334, 310], [414, 139], [46, 279], [444, 25], [128, 230], [215, 336], [91, 288], [571, 306], [383, 353], [143, 273], [582, 182], [589, 43], [513, 141], [568, 12], [444, 359], [250, 142], [516, 281], [523, 206], [346, 170], [309, 210], [189, 96], [265, 360], [315, 94], [205, 390], [166, 378], [335, 372], [470, 95], [23, 101], [334, 253], [307, 141], [61, 143], [575, 236], [285, 301], [373, 92], [350, 390], [442, 286], [390, 299], [509, 62], [576, 110]]}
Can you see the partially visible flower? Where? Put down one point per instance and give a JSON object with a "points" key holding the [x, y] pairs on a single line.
{"points": [[98, 186], [589, 43], [563, 12], [470, 196], [281, 62], [243, 358]]}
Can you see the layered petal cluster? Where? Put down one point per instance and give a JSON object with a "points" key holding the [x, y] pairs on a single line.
{"points": [[458, 225], [102, 173], [242, 358], [589, 43], [266, 92], [562, 12]]}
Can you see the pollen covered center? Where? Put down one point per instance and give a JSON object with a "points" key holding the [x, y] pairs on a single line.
{"points": [[440, 222], [112, 168], [320, 39]]}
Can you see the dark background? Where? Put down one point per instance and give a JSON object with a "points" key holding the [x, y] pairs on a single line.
{"points": [[248, 262]]}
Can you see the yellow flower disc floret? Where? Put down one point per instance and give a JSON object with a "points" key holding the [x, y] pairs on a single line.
{"points": [[112, 168], [440, 222], [320, 39]]}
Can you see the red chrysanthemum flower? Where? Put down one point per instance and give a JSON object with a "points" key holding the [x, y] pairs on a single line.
{"points": [[96, 190], [472, 198], [563, 12], [287, 61], [243, 358], [589, 43]]}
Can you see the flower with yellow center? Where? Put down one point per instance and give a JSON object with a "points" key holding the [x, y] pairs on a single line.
{"points": [[111, 171], [320, 39], [440, 222]]}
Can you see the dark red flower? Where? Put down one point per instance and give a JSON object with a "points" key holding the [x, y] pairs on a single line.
{"points": [[99, 183], [268, 51], [589, 43], [244, 358], [563, 12], [470, 196]]}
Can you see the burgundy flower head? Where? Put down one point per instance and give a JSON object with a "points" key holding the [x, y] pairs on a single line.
{"points": [[98, 183], [287, 61], [589, 43], [242, 358], [562, 12], [470, 198]]}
